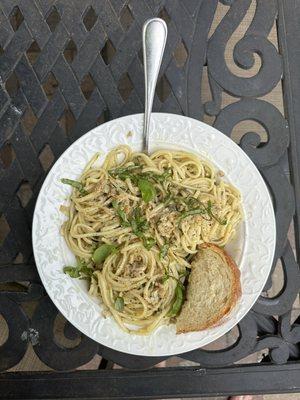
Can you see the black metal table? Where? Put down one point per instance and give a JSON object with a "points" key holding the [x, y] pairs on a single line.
{"points": [[68, 65]]}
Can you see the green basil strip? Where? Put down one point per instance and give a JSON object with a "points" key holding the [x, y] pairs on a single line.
{"points": [[212, 215], [138, 223], [168, 199], [75, 184], [147, 190], [119, 304], [81, 271], [84, 270], [73, 272], [121, 170], [192, 202], [164, 176], [102, 252], [164, 250], [124, 173], [176, 306], [148, 242], [121, 214], [192, 212]]}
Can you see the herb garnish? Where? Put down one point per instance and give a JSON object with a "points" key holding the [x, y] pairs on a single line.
{"points": [[164, 250], [132, 173], [192, 206], [147, 190], [137, 222], [179, 292], [168, 275], [102, 252], [148, 242], [178, 301], [121, 214], [81, 271], [124, 173], [139, 225], [119, 304], [162, 177], [192, 212], [75, 184], [209, 211], [200, 208]]}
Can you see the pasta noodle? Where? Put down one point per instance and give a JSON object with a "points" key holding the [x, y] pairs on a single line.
{"points": [[134, 224]]}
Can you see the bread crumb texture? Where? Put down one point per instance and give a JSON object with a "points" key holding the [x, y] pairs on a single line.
{"points": [[213, 289]]}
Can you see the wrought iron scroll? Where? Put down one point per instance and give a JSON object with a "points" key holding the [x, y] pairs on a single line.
{"points": [[259, 329], [67, 66]]}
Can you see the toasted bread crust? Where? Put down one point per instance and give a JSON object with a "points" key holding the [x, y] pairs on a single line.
{"points": [[235, 293]]}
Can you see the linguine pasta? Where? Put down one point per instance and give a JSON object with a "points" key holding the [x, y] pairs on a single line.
{"points": [[135, 222]]}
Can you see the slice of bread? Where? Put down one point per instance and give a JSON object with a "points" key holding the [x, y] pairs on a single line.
{"points": [[213, 289]]}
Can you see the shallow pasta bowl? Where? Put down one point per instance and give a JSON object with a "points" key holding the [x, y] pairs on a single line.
{"points": [[252, 248]]}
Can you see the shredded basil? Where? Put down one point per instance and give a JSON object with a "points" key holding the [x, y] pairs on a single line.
{"points": [[121, 214], [75, 184], [192, 212], [212, 215], [118, 171], [137, 222], [147, 190], [81, 271], [148, 242], [164, 250], [132, 172], [102, 252], [73, 272], [124, 173], [192, 202], [178, 301], [164, 176], [168, 275], [119, 304]]}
